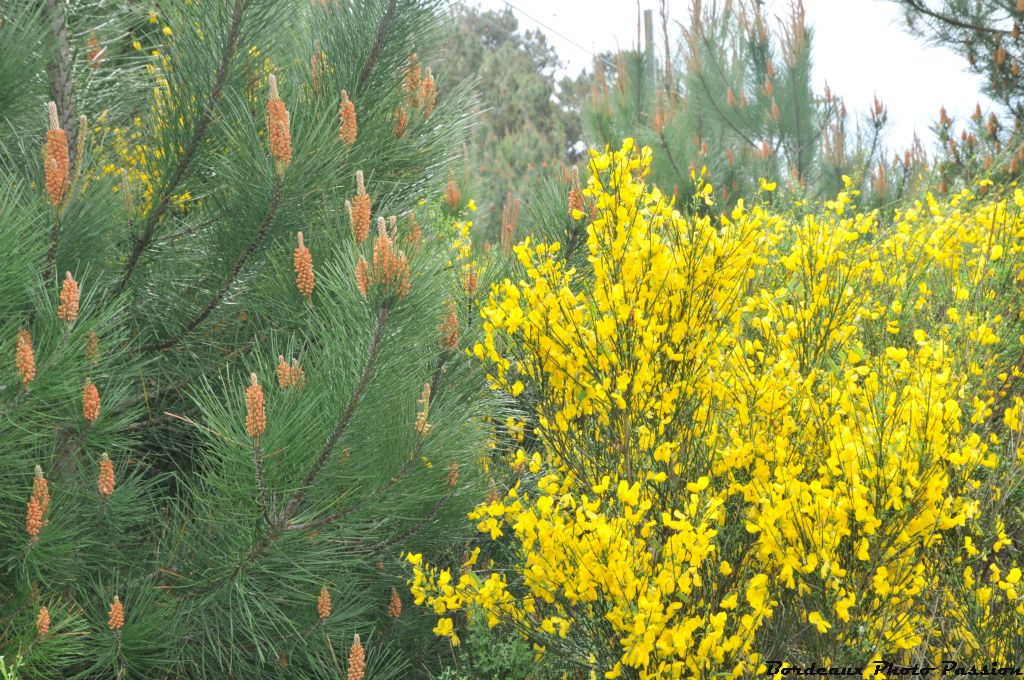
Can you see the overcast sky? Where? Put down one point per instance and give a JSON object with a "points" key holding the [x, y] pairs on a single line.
{"points": [[860, 47]]}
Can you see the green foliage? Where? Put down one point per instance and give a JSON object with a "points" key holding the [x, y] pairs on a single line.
{"points": [[180, 229], [10, 672], [494, 653], [735, 97]]}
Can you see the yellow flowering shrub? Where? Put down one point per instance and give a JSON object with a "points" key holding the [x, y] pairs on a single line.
{"points": [[136, 149], [757, 436]]}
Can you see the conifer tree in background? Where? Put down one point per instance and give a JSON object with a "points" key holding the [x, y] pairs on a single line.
{"points": [[987, 33], [735, 96], [233, 392], [529, 123]]}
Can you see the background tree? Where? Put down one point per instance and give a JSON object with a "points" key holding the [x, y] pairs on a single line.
{"points": [[987, 33], [527, 120], [734, 95]]}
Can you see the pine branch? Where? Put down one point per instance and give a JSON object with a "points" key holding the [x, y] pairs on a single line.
{"points": [[143, 240], [707, 89], [70, 439], [798, 152], [383, 490], [721, 114], [435, 380], [243, 257], [62, 92], [398, 538], [62, 85], [671, 159], [343, 421], [261, 482], [316, 524], [282, 523], [380, 493], [918, 6], [51, 252], [378, 42]]}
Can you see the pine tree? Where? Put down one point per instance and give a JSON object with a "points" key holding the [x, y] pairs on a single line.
{"points": [[234, 393], [735, 97], [988, 35]]}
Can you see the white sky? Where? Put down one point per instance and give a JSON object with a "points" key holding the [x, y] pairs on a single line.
{"points": [[859, 46]]}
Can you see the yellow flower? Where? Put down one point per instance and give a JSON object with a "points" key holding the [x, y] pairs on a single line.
{"points": [[969, 546], [843, 607], [725, 405], [445, 628], [814, 618], [699, 485], [881, 582], [896, 354], [757, 592], [630, 495]]}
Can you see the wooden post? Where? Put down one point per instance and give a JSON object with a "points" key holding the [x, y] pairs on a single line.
{"points": [[649, 44]]}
